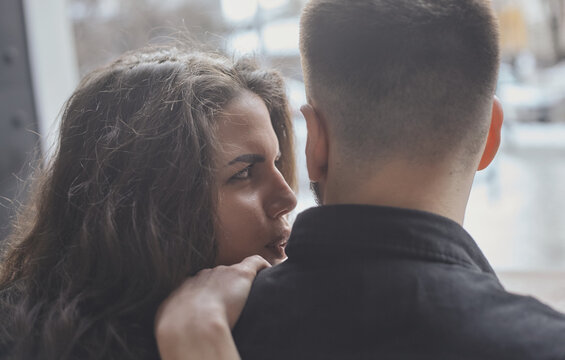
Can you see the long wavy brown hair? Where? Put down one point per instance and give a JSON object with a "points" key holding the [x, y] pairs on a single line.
{"points": [[126, 209]]}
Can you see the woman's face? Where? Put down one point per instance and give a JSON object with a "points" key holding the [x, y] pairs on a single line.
{"points": [[254, 198]]}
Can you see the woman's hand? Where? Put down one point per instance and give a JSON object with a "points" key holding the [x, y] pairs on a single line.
{"points": [[195, 321]]}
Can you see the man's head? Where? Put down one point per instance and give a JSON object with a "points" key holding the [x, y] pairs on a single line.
{"points": [[408, 79]]}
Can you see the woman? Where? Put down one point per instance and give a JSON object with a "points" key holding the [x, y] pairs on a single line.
{"points": [[169, 162]]}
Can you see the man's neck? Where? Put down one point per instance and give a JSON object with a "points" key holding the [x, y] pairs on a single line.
{"points": [[437, 190]]}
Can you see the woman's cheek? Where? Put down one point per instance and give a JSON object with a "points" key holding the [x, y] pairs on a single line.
{"points": [[243, 212]]}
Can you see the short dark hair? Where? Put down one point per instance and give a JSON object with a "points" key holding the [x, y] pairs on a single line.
{"points": [[127, 208], [405, 77]]}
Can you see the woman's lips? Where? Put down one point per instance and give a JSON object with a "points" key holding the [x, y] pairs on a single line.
{"points": [[279, 242]]}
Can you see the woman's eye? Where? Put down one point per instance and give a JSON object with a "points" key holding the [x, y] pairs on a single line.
{"points": [[243, 174]]}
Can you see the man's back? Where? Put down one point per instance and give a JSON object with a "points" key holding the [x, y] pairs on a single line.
{"points": [[367, 282]]}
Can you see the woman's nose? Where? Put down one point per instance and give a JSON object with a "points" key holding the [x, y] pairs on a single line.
{"points": [[283, 200]]}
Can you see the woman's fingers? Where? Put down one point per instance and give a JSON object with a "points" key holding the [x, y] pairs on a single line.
{"points": [[252, 265]]}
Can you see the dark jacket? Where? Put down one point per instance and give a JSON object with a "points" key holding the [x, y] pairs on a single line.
{"points": [[368, 282]]}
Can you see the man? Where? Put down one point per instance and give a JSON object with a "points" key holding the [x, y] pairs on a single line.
{"points": [[401, 114]]}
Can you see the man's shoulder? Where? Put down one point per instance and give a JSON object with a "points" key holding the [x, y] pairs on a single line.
{"points": [[304, 307]]}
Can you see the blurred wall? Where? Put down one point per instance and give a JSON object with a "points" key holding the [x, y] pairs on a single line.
{"points": [[38, 73], [18, 120]]}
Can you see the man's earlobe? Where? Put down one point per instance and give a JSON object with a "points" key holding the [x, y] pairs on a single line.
{"points": [[316, 144], [493, 139]]}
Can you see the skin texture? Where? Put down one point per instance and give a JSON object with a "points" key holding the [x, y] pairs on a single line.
{"points": [[254, 198]]}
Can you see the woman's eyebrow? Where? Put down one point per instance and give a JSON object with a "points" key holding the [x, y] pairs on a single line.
{"points": [[247, 158]]}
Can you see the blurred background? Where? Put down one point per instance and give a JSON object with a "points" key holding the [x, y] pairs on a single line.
{"points": [[517, 206]]}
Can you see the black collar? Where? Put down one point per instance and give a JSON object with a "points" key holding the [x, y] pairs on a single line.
{"points": [[338, 232]]}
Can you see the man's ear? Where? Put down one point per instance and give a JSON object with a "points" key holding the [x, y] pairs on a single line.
{"points": [[493, 139], [316, 144]]}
